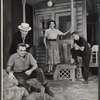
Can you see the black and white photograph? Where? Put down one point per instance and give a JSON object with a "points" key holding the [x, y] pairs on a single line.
{"points": [[49, 49]]}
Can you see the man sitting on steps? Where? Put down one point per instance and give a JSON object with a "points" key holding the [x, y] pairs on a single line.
{"points": [[18, 66]]}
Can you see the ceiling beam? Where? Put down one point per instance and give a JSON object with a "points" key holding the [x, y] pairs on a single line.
{"points": [[33, 2]]}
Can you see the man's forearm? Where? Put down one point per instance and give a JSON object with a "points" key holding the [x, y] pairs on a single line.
{"points": [[34, 67], [81, 48], [78, 47]]}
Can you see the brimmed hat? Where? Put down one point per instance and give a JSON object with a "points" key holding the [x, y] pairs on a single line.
{"points": [[24, 26]]}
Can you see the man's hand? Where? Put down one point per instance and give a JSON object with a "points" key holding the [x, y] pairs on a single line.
{"points": [[11, 76], [76, 46], [28, 72], [27, 45]]}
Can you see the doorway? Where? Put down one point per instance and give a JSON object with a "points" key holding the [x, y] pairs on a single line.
{"points": [[63, 20]]}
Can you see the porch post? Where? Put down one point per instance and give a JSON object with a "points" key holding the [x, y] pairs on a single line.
{"points": [[24, 15], [73, 16], [72, 20], [84, 19], [73, 23]]}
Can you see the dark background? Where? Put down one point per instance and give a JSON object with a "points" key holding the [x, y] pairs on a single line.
{"points": [[12, 17]]}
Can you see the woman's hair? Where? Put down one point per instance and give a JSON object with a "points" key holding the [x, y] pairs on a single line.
{"points": [[51, 21], [21, 44]]}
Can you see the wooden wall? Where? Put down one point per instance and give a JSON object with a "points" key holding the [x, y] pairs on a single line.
{"points": [[56, 10]]}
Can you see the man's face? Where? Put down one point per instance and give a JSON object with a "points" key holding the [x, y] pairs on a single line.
{"points": [[52, 25], [23, 32], [75, 36], [21, 51]]}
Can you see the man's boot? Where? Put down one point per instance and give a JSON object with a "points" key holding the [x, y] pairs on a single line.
{"points": [[33, 89], [47, 90], [75, 62]]}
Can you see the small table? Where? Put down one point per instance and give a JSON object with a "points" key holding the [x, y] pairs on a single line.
{"points": [[65, 71]]}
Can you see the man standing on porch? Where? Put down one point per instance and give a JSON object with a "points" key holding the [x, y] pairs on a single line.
{"points": [[82, 49], [22, 36]]}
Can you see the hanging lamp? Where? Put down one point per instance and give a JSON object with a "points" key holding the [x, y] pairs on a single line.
{"points": [[50, 3]]}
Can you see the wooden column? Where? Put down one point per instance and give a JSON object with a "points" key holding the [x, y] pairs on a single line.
{"points": [[84, 19], [72, 20], [24, 14], [73, 16]]}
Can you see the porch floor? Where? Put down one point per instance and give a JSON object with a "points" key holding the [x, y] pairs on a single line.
{"points": [[76, 90]]}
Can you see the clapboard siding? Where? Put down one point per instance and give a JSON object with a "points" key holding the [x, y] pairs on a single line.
{"points": [[41, 51], [79, 17]]}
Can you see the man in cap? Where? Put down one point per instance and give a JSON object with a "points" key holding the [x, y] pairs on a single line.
{"points": [[23, 66], [22, 36], [82, 49]]}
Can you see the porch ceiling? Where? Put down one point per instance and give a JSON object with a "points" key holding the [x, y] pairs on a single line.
{"points": [[90, 3], [33, 2]]}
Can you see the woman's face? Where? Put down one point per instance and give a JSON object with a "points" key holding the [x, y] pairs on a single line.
{"points": [[52, 24]]}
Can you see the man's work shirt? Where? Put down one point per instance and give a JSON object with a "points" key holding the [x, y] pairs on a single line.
{"points": [[52, 34], [19, 63], [83, 43]]}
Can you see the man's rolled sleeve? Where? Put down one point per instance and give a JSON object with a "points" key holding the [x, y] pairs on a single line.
{"points": [[33, 62], [10, 62], [83, 42]]}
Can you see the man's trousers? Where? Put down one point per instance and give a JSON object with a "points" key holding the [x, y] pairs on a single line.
{"points": [[22, 77], [85, 61]]}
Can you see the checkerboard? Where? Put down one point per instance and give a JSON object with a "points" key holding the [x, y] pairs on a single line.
{"points": [[64, 71], [64, 74]]}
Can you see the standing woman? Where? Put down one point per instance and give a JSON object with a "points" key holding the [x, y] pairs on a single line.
{"points": [[51, 44]]}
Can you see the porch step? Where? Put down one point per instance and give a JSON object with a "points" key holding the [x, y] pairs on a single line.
{"points": [[41, 57]]}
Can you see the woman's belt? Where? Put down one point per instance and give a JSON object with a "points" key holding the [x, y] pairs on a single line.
{"points": [[51, 39]]}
